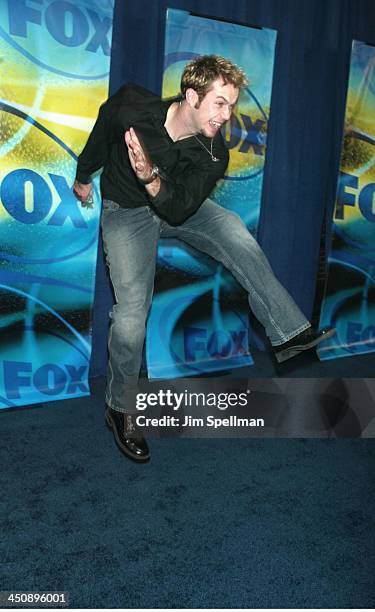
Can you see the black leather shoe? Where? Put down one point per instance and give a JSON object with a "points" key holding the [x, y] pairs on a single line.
{"points": [[127, 436], [304, 341]]}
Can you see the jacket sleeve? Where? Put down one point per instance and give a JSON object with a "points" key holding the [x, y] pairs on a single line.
{"points": [[97, 148], [182, 194]]}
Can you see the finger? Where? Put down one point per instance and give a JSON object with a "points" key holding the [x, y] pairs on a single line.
{"points": [[135, 139], [132, 137], [132, 146], [133, 134], [132, 159]]}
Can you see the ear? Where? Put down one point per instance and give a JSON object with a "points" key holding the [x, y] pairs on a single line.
{"points": [[191, 97]]}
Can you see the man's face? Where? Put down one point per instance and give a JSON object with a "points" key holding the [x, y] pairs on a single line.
{"points": [[215, 109]]}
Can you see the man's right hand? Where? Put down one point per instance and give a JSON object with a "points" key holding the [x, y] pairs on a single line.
{"points": [[82, 191]]}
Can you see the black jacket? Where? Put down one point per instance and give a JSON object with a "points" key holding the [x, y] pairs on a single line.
{"points": [[190, 174]]}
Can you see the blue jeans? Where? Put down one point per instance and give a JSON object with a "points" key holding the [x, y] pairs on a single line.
{"points": [[130, 237]]}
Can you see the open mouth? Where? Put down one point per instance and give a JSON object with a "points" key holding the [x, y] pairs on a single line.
{"points": [[215, 124]]}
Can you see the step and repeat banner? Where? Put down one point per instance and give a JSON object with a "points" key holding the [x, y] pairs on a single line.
{"points": [[54, 60], [199, 316], [349, 303]]}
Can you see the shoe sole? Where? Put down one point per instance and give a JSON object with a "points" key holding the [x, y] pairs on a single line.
{"points": [[136, 458], [297, 350]]}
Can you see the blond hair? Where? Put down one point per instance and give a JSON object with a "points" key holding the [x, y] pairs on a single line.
{"points": [[202, 71]]}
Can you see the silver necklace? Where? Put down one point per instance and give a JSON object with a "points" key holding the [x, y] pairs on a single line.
{"points": [[209, 151]]}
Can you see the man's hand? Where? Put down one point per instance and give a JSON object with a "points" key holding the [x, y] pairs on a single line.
{"points": [[141, 163], [139, 159], [82, 191]]}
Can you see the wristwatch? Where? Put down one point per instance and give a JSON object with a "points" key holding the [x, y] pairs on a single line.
{"points": [[153, 175]]}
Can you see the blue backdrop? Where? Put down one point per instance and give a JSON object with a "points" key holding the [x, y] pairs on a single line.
{"points": [[349, 303], [305, 128], [199, 322], [55, 72]]}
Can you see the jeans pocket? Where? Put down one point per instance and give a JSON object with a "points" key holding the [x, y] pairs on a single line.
{"points": [[110, 206]]}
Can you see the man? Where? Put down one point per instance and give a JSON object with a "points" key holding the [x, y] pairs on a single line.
{"points": [[161, 160]]}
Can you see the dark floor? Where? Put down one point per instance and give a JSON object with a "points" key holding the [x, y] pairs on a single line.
{"points": [[207, 523]]}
